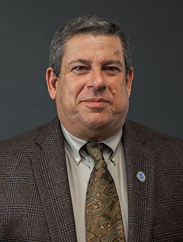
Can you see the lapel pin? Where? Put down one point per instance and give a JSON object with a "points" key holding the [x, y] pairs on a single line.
{"points": [[141, 176]]}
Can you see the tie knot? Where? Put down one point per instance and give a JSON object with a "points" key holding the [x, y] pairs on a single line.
{"points": [[95, 150]]}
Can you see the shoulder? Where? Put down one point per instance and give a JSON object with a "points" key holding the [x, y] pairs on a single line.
{"points": [[28, 140], [165, 147], [146, 133], [17, 152]]}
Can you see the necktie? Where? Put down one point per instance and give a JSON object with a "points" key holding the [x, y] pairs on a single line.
{"points": [[103, 213]]}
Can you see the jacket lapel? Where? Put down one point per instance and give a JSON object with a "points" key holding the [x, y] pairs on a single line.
{"points": [[139, 157], [50, 172]]}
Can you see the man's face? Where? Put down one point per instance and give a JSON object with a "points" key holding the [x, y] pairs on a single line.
{"points": [[92, 91]]}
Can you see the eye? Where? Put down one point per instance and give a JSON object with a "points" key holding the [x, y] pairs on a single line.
{"points": [[80, 68], [112, 68]]}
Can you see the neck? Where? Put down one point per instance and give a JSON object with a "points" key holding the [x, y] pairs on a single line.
{"points": [[93, 135]]}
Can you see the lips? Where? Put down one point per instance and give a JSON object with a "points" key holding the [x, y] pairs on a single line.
{"points": [[95, 103], [97, 100]]}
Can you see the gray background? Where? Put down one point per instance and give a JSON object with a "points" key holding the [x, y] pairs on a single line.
{"points": [[156, 35]]}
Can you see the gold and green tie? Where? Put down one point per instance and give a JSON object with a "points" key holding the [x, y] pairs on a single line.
{"points": [[103, 213]]}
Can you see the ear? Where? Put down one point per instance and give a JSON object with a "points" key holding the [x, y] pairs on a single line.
{"points": [[51, 81], [129, 79]]}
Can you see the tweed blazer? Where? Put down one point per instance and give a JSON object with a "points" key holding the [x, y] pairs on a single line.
{"points": [[35, 200]]}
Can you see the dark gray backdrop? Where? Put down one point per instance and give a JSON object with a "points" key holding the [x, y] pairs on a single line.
{"points": [[156, 34]]}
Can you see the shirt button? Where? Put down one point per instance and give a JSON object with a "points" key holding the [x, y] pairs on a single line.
{"points": [[77, 159]]}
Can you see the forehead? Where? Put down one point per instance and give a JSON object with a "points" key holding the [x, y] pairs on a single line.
{"points": [[85, 43]]}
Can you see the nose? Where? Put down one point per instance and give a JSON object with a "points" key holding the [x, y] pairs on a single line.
{"points": [[97, 80]]}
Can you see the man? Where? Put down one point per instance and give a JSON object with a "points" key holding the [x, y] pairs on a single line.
{"points": [[45, 172]]}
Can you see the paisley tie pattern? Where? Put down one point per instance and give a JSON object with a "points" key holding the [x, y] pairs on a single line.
{"points": [[103, 213]]}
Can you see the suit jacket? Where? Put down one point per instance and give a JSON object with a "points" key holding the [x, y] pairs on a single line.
{"points": [[35, 200]]}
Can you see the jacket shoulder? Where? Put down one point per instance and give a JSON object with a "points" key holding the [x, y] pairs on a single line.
{"points": [[140, 131], [27, 140]]}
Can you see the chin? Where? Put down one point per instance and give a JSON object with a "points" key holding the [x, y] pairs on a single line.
{"points": [[101, 121], [97, 124]]}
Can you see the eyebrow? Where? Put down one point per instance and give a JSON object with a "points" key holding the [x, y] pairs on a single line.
{"points": [[119, 63], [78, 61], [86, 62]]}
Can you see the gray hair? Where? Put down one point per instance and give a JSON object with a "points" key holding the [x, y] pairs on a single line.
{"points": [[86, 25]]}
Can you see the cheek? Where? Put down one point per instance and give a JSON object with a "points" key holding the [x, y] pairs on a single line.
{"points": [[80, 91], [69, 92], [120, 96], [62, 95], [73, 84], [119, 90]]}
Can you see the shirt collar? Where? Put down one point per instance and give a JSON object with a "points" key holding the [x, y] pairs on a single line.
{"points": [[75, 143], [113, 141]]}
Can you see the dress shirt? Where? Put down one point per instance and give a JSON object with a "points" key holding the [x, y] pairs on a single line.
{"points": [[80, 166]]}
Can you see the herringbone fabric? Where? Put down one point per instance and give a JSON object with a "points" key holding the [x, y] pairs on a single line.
{"points": [[103, 213]]}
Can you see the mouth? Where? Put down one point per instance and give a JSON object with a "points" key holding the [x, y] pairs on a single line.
{"points": [[95, 102]]}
